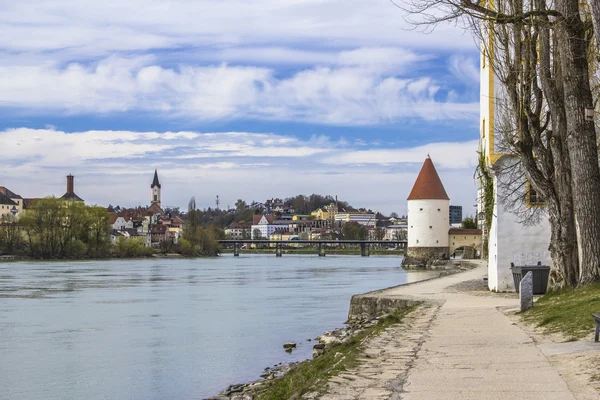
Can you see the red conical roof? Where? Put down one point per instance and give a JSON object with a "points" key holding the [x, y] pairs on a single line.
{"points": [[428, 185]]}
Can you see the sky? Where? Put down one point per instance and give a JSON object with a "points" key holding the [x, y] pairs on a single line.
{"points": [[236, 98]]}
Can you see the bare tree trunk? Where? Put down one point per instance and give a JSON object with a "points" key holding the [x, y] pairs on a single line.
{"points": [[595, 10], [581, 139]]}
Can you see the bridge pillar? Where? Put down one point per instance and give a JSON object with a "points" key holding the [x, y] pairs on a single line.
{"points": [[321, 250], [236, 249], [364, 249], [278, 250]]}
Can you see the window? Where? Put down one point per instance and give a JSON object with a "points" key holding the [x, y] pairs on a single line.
{"points": [[420, 209], [417, 241], [437, 241], [439, 209], [483, 129], [430, 227], [483, 60], [533, 198], [155, 197]]}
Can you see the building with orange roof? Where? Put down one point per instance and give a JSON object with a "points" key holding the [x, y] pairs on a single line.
{"points": [[428, 217]]}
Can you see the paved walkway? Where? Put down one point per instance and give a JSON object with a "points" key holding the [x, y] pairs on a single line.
{"points": [[469, 350]]}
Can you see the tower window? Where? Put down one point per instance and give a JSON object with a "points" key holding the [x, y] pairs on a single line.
{"points": [[155, 197], [483, 129], [420, 209]]}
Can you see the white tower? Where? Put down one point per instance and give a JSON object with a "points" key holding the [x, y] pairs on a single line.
{"points": [[428, 216], [155, 190]]}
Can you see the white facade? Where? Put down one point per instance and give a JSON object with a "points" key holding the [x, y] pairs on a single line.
{"points": [[121, 224], [265, 231], [428, 223], [155, 194], [396, 232], [367, 220], [265, 228], [508, 239]]}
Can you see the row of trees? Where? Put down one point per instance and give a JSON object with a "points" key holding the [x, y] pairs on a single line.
{"points": [[545, 54], [54, 228]]}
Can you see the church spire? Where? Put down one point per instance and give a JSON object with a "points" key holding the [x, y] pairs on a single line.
{"points": [[155, 182]]}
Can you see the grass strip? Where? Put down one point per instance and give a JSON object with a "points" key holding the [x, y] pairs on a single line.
{"points": [[312, 375], [568, 312]]}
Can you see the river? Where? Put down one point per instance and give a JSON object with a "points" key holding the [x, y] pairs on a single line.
{"points": [[170, 328]]}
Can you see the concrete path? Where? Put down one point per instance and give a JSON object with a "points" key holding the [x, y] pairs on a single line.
{"points": [[470, 350]]}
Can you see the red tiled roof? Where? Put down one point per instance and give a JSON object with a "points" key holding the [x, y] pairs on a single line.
{"points": [[258, 217], [112, 217], [428, 185]]}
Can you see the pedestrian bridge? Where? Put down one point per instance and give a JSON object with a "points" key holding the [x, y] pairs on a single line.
{"points": [[365, 245]]}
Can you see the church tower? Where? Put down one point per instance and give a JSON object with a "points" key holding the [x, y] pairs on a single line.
{"points": [[155, 190], [428, 217]]}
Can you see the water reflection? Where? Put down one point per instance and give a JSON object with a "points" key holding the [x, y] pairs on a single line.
{"points": [[176, 329]]}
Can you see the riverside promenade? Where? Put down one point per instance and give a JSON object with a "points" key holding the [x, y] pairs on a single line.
{"points": [[460, 344]]}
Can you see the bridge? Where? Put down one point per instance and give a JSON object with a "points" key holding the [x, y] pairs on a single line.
{"points": [[365, 245]]}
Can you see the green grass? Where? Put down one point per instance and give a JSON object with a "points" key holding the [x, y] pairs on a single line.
{"points": [[312, 375], [568, 312]]}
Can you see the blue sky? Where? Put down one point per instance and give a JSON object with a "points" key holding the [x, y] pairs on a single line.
{"points": [[242, 99]]}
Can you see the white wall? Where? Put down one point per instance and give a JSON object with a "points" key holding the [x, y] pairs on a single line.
{"points": [[511, 241], [428, 223], [120, 223], [265, 230]]}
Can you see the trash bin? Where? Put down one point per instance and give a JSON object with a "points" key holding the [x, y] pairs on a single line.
{"points": [[540, 274]]}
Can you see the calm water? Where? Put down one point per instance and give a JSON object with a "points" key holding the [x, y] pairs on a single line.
{"points": [[169, 329]]}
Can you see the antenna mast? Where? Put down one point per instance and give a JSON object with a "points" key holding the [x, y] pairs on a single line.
{"points": [[217, 202]]}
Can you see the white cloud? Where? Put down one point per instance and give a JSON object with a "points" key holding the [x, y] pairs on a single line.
{"points": [[342, 95], [91, 28], [117, 166], [446, 155], [465, 68]]}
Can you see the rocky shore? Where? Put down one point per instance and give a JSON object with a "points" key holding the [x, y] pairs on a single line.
{"points": [[324, 343]]}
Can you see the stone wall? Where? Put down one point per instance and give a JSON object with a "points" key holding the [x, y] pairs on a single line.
{"points": [[368, 307], [425, 256]]}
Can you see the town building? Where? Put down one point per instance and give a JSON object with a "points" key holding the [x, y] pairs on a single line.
{"points": [[466, 240], [509, 240], [11, 204], [70, 193], [238, 230], [428, 214], [155, 191], [396, 232], [455, 215], [263, 226], [365, 219]]}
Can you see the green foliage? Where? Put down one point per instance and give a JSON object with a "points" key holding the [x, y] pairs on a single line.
{"points": [[54, 228], [199, 240], [312, 375], [11, 236], [568, 311], [468, 223], [354, 231], [126, 248], [487, 185]]}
